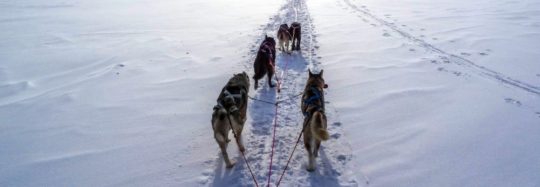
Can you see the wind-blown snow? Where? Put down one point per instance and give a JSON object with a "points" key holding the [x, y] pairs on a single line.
{"points": [[120, 93], [414, 83]]}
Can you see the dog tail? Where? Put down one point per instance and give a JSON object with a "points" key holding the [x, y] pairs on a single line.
{"points": [[318, 127]]}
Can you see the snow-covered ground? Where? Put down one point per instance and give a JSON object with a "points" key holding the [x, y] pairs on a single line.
{"points": [[120, 93], [436, 93]]}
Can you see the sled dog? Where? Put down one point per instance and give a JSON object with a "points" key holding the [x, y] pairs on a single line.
{"points": [[284, 37], [296, 33], [230, 112], [265, 61], [314, 117]]}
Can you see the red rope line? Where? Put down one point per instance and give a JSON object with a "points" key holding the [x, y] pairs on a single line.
{"points": [[273, 145], [275, 121], [243, 155], [249, 167]]}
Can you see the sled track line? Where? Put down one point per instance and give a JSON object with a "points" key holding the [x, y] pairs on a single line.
{"points": [[287, 124], [258, 138], [480, 70]]}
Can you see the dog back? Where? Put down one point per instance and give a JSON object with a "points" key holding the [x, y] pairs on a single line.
{"points": [[283, 32], [295, 29], [238, 88]]}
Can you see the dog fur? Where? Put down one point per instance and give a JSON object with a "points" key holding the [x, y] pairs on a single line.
{"points": [[284, 37], [232, 105], [315, 119], [296, 32], [265, 61]]}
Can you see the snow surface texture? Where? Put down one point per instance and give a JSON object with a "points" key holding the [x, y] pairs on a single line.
{"points": [[120, 93], [436, 93]]}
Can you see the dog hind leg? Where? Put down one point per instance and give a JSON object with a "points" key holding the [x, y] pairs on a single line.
{"points": [[223, 146], [238, 131], [287, 46], [317, 146], [311, 155], [281, 44], [299, 40], [309, 148], [241, 144], [260, 70], [256, 85], [270, 74]]}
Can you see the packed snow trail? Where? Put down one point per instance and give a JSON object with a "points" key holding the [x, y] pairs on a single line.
{"points": [[333, 164]]}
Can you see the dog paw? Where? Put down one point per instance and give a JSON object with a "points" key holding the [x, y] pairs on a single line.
{"points": [[242, 149], [310, 169], [229, 166], [272, 85]]}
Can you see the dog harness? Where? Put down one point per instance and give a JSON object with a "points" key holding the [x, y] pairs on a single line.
{"points": [[234, 97], [295, 27], [317, 96], [284, 29], [265, 47]]}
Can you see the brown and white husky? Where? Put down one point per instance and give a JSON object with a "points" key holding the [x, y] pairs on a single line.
{"points": [[314, 117], [284, 37], [230, 113]]}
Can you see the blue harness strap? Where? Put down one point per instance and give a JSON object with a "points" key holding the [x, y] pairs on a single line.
{"points": [[311, 100], [266, 48], [316, 96]]}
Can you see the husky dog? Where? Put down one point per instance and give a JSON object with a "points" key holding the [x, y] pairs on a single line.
{"points": [[296, 33], [265, 61], [314, 117], [230, 111], [284, 36]]}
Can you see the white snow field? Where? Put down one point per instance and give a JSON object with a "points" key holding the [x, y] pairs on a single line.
{"points": [[120, 93]]}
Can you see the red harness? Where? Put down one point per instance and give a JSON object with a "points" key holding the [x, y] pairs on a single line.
{"points": [[266, 48], [295, 27], [283, 29]]}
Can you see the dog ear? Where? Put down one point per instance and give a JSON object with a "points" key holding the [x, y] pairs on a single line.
{"points": [[320, 74], [310, 74], [265, 36]]}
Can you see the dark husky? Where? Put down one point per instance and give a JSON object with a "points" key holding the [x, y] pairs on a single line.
{"points": [[231, 111], [314, 117], [284, 37], [296, 32], [265, 61]]}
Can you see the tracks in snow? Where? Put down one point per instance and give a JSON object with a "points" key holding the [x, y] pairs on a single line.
{"points": [[334, 167], [458, 60]]}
